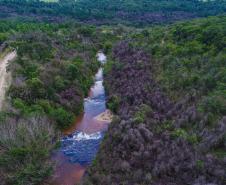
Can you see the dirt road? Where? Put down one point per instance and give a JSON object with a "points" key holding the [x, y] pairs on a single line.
{"points": [[4, 76]]}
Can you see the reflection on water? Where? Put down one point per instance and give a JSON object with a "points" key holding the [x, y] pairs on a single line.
{"points": [[82, 140]]}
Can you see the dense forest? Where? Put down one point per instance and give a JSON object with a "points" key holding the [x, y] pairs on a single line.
{"points": [[51, 75], [167, 88], [165, 84], [133, 12]]}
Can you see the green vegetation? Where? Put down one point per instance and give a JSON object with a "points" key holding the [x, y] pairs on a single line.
{"points": [[141, 113], [138, 13], [178, 71], [190, 60], [25, 147], [168, 80], [51, 76], [191, 138]]}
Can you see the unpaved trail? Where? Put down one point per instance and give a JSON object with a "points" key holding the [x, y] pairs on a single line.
{"points": [[4, 76]]}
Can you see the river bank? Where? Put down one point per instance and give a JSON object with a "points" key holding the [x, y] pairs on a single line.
{"points": [[156, 140], [81, 141]]}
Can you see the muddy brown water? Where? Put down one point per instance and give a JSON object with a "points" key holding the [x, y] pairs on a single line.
{"points": [[82, 140]]}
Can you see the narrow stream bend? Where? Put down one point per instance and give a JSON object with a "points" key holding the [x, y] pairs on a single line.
{"points": [[81, 142]]}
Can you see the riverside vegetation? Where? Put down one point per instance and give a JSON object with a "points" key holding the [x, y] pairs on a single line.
{"points": [[52, 74], [165, 85], [167, 88]]}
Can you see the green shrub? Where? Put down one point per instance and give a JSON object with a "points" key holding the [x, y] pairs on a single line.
{"points": [[45, 104], [30, 69], [107, 46], [25, 109], [179, 133], [86, 30], [166, 125], [36, 87], [108, 66], [199, 164], [3, 116], [113, 103], [33, 173], [3, 37], [191, 138], [215, 104], [20, 104], [62, 117], [220, 153], [140, 115], [59, 83]]}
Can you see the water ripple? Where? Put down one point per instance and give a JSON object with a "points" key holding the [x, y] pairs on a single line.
{"points": [[81, 147]]}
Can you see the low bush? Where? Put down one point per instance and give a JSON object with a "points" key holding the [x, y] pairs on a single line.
{"points": [[113, 103], [62, 117], [141, 114]]}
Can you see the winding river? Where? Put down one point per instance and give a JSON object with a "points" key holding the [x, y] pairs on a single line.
{"points": [[81, 142]]}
